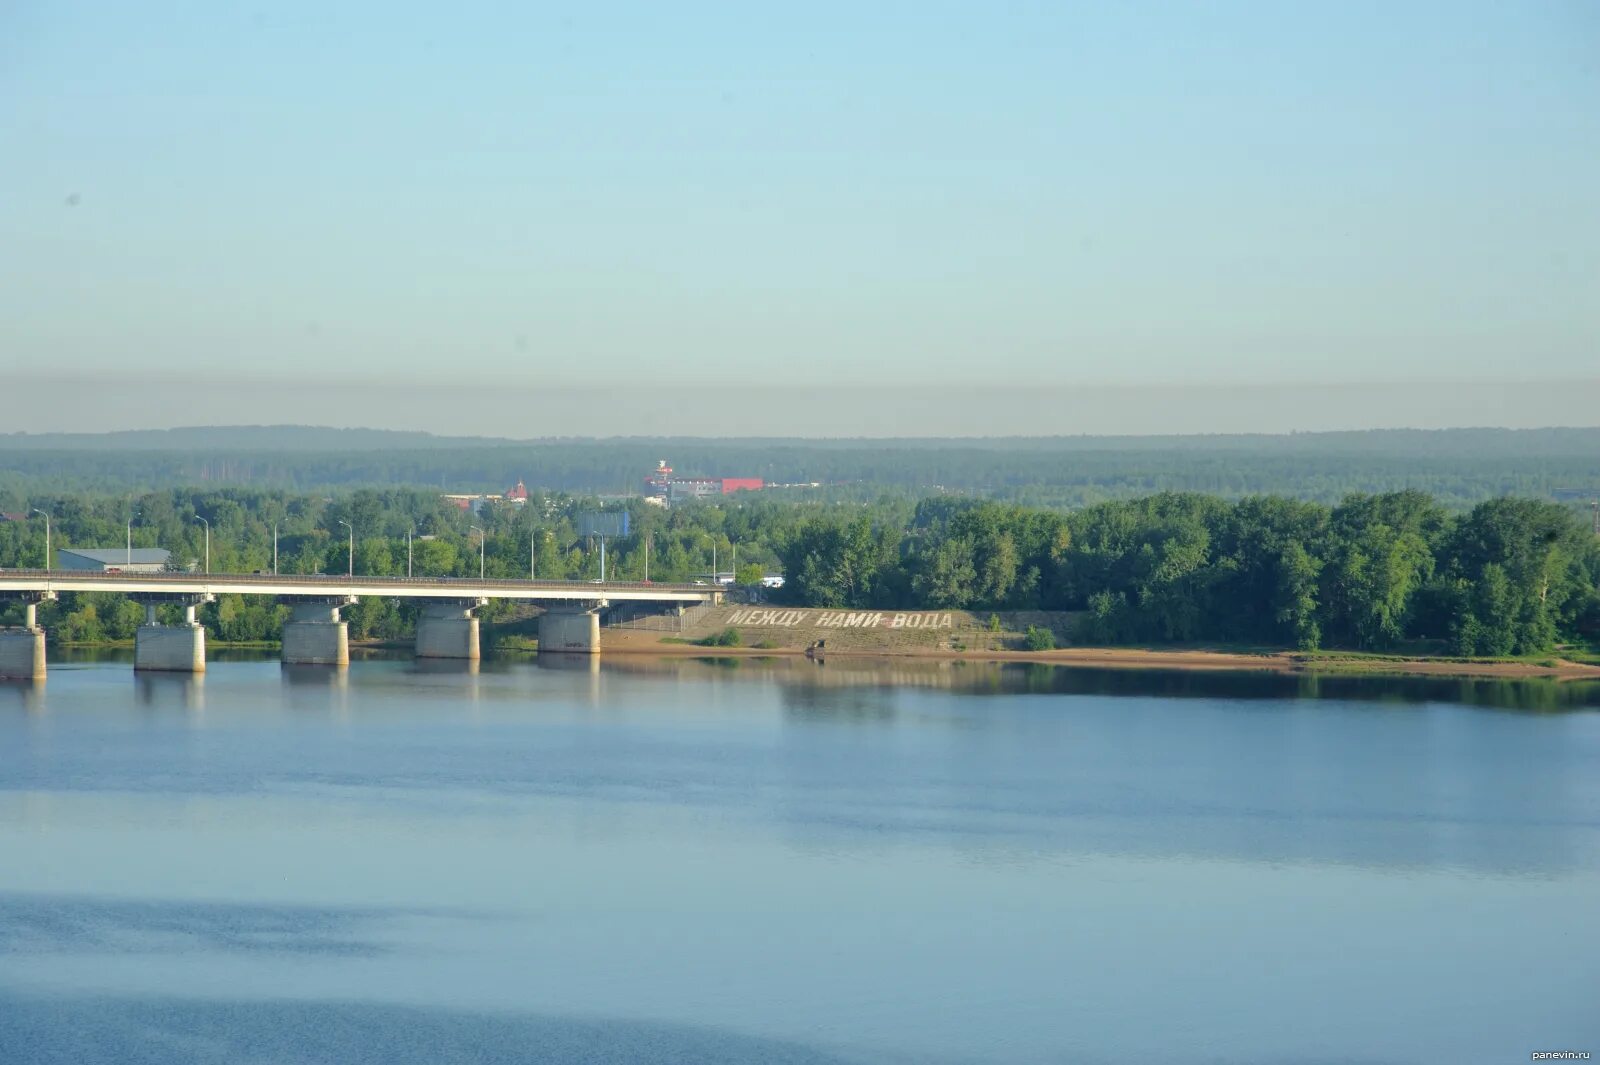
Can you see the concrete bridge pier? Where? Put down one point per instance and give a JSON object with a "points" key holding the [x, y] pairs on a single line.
{"points": [[571, 629], [315, 634], [171, 648], [22, 650], [449, 629]]}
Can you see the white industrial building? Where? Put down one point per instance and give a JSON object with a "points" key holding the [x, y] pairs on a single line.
{"points": [[114, 559]]}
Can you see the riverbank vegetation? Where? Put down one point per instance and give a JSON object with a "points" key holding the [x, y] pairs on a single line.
{"points": [[1509, 577], [1393, 572]]}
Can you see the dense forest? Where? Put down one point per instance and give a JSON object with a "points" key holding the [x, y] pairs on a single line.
{"points": [[1511, 576], [1459, 468], [1375, 572]]}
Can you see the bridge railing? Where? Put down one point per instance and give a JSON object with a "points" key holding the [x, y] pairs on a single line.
{"points": [[676, 622], [333, 579]]}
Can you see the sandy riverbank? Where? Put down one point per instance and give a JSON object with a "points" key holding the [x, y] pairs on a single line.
{"points": [[1134, 658]]}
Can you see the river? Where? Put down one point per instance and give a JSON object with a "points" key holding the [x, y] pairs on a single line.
{"points": [[785, 861]]}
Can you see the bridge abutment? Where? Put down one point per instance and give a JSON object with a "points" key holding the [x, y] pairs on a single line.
{"points": [[22, 650], [170, 648], [570, 630], [315, 634], [448, 630], [22, 654]]}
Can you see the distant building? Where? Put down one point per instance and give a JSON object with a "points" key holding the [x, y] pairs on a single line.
{"points": [[655, 485], [660, 484], [114, 559], [680, 488], [517, 496], [12, 515]]}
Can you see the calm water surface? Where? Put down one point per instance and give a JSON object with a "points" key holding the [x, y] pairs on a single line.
{"points": [[683, 861]]}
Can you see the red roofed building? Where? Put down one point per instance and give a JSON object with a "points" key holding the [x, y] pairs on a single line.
{"points": [[515, 496], [661, 485]]}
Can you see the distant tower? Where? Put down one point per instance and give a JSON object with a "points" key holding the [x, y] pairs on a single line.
{"points": [[656, 483]]}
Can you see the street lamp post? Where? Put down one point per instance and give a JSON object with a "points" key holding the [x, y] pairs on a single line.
{"points": [[533, 538], [46, 514], [274, 549], [408, 549], [135, 514], [197, 517], [350, 569], [480, 549]]}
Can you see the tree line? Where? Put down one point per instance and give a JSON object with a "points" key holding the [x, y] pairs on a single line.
{"points": [[1394, 570], [1373, 572], [1458, 467]]}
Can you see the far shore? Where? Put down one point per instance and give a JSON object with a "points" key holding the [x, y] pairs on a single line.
{"points": [[1145, 658], [614, 643]]}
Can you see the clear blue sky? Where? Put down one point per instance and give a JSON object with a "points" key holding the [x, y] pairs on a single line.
{"points": [[523, 196]]}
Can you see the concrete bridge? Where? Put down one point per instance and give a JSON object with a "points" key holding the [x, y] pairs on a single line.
{"points": [[315, 634]]}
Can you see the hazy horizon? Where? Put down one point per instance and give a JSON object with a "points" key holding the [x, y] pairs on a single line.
{"points": [[522, 410], [1216, 219]]}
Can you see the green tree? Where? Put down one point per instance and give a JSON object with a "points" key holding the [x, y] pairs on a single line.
{"points": [[1038, 638], [1524, 563], [1295, 596], [946, 575]]}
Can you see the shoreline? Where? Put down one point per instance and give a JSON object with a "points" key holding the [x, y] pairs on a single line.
{"points": [[1187, 660], [1288, 662]]}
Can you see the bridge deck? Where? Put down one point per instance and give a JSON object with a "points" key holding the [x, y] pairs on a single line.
{"points": [[34, 581]]}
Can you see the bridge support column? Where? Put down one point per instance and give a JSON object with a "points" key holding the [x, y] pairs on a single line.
{"points": [[170, 648], [22, 650], [315, 635], [570, 630], [22, 654], [448, 630]]}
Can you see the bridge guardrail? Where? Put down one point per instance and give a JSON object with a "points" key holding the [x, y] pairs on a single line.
{"points": [[333, 578]]}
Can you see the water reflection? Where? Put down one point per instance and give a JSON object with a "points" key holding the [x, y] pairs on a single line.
{"points": [[447, 667], [317, 688], [25, 695], [569, 662], [87, 655], [972, 677], [583, 665], [114, 1031], [1258, 768], [162, 691], [1038, 678], [124, 653], [332, 677], [31, 924], [1047, 856], [818, 701]]}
